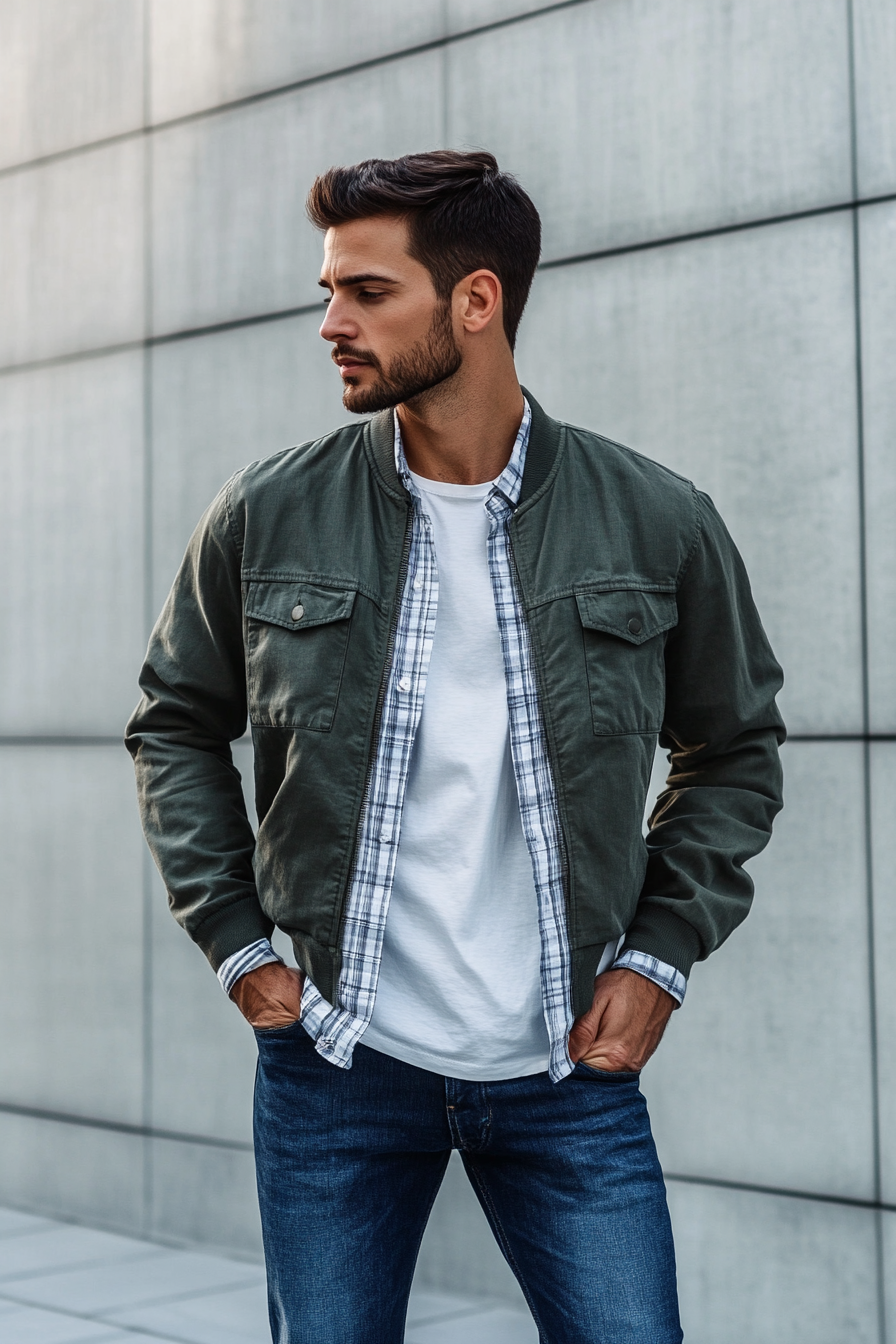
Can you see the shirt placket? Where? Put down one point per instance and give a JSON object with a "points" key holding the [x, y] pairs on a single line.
{"points": [[337, 1030], [535, 787]]}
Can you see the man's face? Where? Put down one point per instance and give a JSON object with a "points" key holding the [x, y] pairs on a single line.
{"points": [[393, 338]]}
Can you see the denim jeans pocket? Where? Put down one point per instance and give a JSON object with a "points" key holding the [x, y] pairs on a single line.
{"points": [[264, 1033], [622, 1075]]}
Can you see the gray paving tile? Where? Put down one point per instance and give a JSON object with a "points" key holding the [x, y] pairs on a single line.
{"points": [[13, 1223], [30, 1325], [501, 1326], [60, 1247], [236, 1317], [138, 1291], [160, 1276]]}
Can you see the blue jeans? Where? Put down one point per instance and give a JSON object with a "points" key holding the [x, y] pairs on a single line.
{"points": [[350, 1162]]}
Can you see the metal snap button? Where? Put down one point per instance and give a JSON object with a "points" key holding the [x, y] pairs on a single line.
{"points": [[297, 612], [634, 626]]}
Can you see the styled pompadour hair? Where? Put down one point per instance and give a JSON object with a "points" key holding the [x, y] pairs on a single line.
{"points": [[463, 215]]}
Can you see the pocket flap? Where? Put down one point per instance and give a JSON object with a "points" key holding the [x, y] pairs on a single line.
{"points": [[631, 614], [296, 604]]}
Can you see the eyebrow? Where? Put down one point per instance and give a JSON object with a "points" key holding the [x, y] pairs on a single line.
{"points": [[365, 278]]}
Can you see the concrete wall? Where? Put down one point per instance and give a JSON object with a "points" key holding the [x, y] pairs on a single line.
{"points": [[717, 180]]}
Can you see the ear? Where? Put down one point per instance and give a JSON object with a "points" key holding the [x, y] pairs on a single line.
{"points": [[479, 301]]}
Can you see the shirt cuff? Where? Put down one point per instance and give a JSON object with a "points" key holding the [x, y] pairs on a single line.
{"points": [[248, 959], [667, 977]]}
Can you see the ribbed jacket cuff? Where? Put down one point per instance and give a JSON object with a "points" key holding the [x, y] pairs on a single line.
{"points": [[659, 933], [228, 930]]}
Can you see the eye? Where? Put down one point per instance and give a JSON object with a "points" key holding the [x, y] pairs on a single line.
{"points": [[369, 295], [326, 301]]}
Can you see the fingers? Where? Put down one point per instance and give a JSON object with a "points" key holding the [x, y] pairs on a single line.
{"points": [[270, 996], [625, 1024]]}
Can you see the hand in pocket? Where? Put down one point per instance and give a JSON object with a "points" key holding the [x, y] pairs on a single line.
{"points": [[270, 996]]}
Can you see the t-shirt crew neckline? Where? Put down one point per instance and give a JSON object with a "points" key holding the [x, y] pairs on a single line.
{"points": [[450, 490]]}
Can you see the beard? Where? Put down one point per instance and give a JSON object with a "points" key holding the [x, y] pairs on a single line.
{"points": [[426, 365]]}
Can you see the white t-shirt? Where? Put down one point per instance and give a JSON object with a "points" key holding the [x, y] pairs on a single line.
{"points": [[459, 989]]}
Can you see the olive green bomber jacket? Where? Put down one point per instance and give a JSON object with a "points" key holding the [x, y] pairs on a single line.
{"points": [[642, 627]]}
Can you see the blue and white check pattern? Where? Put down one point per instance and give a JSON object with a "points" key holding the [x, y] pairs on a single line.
{"points": [[336, 1031]]}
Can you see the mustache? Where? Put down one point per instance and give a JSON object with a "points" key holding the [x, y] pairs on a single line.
{"points": [[352, 352]]}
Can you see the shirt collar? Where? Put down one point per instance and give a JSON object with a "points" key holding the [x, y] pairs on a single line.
{"points": [[509, 483]]}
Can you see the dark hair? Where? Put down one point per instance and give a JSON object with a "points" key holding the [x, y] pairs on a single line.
{"points": [[463, 213]]}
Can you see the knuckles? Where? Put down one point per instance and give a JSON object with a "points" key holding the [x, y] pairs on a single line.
{"points": [[619, 1060]]}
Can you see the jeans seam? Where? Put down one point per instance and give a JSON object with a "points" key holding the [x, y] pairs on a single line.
{"points": [[508, 1253]]}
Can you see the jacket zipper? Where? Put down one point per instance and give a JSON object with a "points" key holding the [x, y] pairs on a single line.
{"points": [[378, 713]]}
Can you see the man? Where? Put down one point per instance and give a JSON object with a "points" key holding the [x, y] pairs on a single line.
{"points": [[458, 629]]}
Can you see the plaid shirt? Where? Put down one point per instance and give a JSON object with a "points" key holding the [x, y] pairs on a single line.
{"points": [[337, 1030]]}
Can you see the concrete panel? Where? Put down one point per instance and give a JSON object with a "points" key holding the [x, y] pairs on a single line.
{"points": [[878, 249], [71, 71], [888, 1230], [71, 990], [209, 52], [759, 1267], [627, 122], [230, 234], [875, 57], [463, 15], [205, 1195], [71, 605], [203, 1056], [224, 400], [71, 265], [732, 361], [765, 1072], [72, 1171], [883, 849], [459, 1249]]}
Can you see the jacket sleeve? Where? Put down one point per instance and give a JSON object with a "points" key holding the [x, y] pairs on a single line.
{"points": [[722, 731], [193, 706]]}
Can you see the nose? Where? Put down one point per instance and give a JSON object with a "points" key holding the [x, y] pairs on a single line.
{"points": [[337, 324]]}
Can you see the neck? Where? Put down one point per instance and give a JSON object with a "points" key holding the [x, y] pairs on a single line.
{"points": [[463, 431]]}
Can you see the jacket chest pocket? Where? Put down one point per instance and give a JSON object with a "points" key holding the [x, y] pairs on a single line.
{"points": [[296, 640], [622, 632]]}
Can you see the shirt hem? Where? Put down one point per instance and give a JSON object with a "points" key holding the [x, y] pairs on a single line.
{"points": [[448, 1068]]}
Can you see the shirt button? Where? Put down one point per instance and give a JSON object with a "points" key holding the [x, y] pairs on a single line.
{"points": [[634, 626], [404, 683], [418, 584], [297, 612]]}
